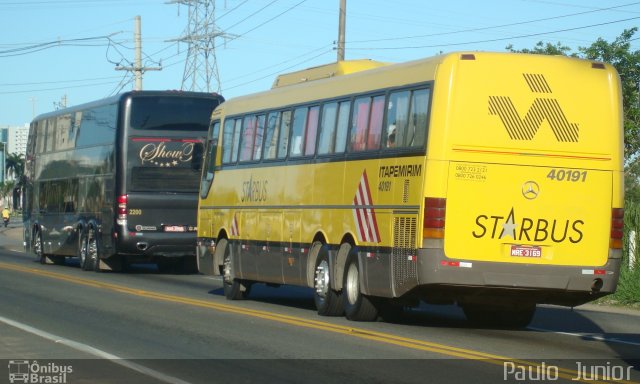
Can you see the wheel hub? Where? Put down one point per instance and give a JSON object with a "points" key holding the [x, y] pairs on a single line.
{"points": [[322, 279]]}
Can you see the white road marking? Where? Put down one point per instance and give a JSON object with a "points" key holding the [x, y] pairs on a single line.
{"points": [[587, 336], [94, 351]]}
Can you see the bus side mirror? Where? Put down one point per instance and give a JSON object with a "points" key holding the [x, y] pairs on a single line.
{"points": [[196, 159]]}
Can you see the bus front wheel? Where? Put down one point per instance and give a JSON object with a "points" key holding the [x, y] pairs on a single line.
{"points": [[357, 307], [38, 247], [233, 287]]}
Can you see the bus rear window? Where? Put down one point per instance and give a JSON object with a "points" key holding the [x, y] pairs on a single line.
{"points": [[155, 179], [171, 113]]}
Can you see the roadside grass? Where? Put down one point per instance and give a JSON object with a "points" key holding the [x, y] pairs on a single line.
{"points": [[628, 291]]}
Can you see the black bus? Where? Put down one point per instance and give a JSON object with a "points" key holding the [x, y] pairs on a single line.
{"points": [[116, 181]]}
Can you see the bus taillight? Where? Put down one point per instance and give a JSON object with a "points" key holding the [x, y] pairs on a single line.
{"points": [[617, 228], [122, 210], [434, 215]]}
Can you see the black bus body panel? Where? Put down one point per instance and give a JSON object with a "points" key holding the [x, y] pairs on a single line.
{"points": [[73, 181]]}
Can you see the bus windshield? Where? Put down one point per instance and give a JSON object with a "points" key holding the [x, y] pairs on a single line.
{"points": [[170, 113]]}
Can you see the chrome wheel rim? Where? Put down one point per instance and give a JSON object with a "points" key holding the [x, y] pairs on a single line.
{"points": [[322, 279], [83, 250], [226, 277], [91, 247], [352, 284], [37, 246]]}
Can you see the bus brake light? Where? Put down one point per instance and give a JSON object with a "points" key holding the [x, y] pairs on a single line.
{"points": [[122, 210], [434, 216], [617, 228]]}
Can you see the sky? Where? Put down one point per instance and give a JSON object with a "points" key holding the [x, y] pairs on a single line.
{"points": [[52, 50]]}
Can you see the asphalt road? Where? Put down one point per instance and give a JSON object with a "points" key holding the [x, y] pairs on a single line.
{"points": [[145, 326]]}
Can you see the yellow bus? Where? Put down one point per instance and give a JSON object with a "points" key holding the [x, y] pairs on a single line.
{"points": [[490, 180]]}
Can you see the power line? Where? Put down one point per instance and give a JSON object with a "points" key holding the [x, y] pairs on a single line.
{"points": [[494, 26], [56, 43], [232, 9], [253, 14], [55, 89], [280, 71], [269, 20], [56, 82], [493, 40]]}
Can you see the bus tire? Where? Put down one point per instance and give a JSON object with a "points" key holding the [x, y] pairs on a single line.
{"points": [[232, 287], [328, 301], [93, 257], [85, 262], [38, 248], [357, 307], [499, 317]]}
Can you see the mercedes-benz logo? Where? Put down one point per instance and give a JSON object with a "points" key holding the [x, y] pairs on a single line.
{"points": [[530, 190]]}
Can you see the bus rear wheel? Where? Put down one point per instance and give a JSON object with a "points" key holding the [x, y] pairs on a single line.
{"points": [[86, 263], [233, 288], [92, 250], [357, 307], [328, 301]]}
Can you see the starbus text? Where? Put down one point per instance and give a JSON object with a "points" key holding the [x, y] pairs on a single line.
{"points": [[529, 229]]}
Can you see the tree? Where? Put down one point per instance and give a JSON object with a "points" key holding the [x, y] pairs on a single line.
{"points": [[546, 49], [627, 63], [15, 165]]}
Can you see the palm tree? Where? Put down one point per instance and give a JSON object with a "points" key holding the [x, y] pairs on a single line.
{"points": [[14, 164]]}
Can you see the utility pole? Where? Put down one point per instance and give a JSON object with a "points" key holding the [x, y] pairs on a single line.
{"points": [[201, 66], [341, 29], [137, 68]]}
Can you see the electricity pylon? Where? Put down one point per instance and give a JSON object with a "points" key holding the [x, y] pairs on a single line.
{"points": [[201, 68]]}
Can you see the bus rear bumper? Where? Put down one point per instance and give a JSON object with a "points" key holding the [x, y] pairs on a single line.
{"points": [[551, 284], [153, 245]]}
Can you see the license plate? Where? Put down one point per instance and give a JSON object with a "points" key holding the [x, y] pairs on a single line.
{"points": [[175, 228], [526, 251]]}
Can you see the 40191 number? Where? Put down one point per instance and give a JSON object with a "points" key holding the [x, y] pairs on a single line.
{"points": [[567, 175]]}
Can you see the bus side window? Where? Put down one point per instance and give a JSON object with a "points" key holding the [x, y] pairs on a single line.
{"points": [[50, 135], [227, 140], [343, 126], [375, 123], [359, 124], [257, 148], [285, 125], [418, 118], [248, 137], [41, 136], [236, 140], [328, 128], [311, 131], [271, 135], [297, 134], [397, 118]]}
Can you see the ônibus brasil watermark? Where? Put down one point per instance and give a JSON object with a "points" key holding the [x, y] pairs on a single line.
{"points": [[582, 372], [31, 372]]}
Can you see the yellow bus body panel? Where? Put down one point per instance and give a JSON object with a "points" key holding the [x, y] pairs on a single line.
{"points": [[533, 158]]}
